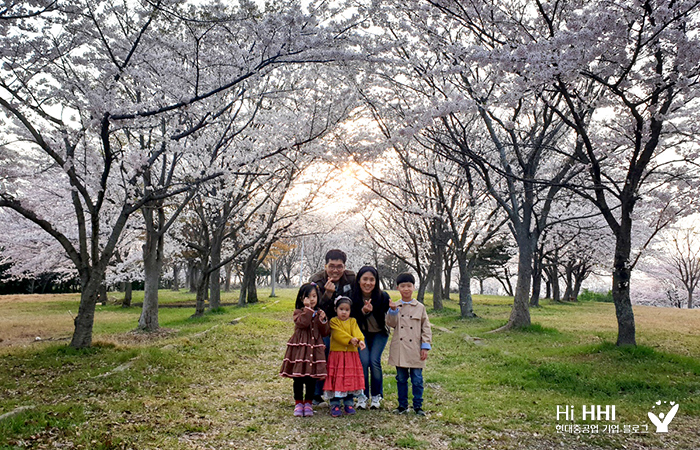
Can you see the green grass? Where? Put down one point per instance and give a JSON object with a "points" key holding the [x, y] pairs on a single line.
{"points": [[208, 383]]}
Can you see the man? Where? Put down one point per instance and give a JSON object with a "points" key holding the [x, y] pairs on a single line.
{"points": [[335, 280]]}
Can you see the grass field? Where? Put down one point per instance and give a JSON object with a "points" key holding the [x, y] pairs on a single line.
{"points": [[207, 383]]}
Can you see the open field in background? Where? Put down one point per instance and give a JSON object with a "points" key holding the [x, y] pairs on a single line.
{"points": [[207, 383]]}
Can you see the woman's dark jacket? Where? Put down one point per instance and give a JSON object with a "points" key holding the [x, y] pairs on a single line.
{"points": [[380, 307]]}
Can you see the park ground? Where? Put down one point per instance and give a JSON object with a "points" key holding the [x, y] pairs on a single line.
{"points": [[212, 382]]}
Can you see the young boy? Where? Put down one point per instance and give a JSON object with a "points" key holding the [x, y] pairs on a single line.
{"points": [[409, 344]]}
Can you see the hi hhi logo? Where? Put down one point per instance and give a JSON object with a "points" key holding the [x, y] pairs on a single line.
{"points": [[662, 420], [594, 412]]}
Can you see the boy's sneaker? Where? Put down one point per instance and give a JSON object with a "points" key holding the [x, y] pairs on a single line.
{"points": [[419, 411], [335, 411], [376, 399], [349, 410], [317, 400], [400, 410], [361, 402], [299, 410], [308, 410]]}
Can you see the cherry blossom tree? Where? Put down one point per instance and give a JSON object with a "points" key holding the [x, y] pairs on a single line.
{"points": [[78, 79], [484, 118], [620, 75], [629, 92], [675, 260]]}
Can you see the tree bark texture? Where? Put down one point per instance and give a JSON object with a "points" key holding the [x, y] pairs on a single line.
{"points": [[466, 308], [127, 294], [103, 293], [520, 315], [536, 282], [215, 275], [437, 277], [152, 266], [622, 272], [553, 277], [273, 278], [83, 322], [202, 286], [176, 277]]}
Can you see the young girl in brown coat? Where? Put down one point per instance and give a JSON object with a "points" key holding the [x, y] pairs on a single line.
{"points": [[305, 358]]}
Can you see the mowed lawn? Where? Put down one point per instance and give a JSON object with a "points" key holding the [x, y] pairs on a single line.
{"points": [[212, 382]]}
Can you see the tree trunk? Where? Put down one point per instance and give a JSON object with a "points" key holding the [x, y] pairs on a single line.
{"points": [[103, 293], [193, 275], [83, 322], [252, 290], [481, 286], [465, 289], [244, 291], [520, 315], [176, 277], [449, 265], [273, 278], [152, 265], [553, 276], [201, 287], [536, 282], [215, 275], [690, 298], [127, 294], [228, 268], [423, 282], [621, 281], [569, 291], [578, 281], [437, 277], [249, 293]]}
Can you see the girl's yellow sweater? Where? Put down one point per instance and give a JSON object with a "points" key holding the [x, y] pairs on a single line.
{"points": [[342, 332]]}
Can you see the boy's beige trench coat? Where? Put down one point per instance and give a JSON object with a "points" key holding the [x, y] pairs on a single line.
{"points": [[411, 329]]}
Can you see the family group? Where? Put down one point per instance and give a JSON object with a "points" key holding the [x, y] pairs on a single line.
{"points": [[342, 324]]}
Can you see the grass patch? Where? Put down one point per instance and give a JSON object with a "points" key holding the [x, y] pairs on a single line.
{"points": [[410, 441], [591, 296], [539, 329]]}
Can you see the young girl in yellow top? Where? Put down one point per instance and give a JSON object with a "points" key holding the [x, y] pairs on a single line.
{"points": [[345, 377]]}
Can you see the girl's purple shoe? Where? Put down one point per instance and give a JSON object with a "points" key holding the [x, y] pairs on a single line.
{"points": [[308, 410], [299, 410], [336, 412], [349, 410]]}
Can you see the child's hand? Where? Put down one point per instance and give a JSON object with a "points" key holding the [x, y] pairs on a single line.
{"points": [[354, 341], [423, 354], [321, 315], [393, 305], [307, 302], [362, 345]]}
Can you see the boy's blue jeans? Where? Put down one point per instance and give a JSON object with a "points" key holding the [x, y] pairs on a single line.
{"points": [[371, 358], [402, 374]]}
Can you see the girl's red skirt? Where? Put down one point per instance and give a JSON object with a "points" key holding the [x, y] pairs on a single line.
{"points": [[344, 373]]}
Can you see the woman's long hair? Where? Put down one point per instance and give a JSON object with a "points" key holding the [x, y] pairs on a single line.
{"points": [[357, 292]]}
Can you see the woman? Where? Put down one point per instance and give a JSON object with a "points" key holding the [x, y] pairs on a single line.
{"points": [[369, 307]]}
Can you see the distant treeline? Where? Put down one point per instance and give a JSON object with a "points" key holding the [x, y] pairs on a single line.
{"points": [[48, 283]]}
